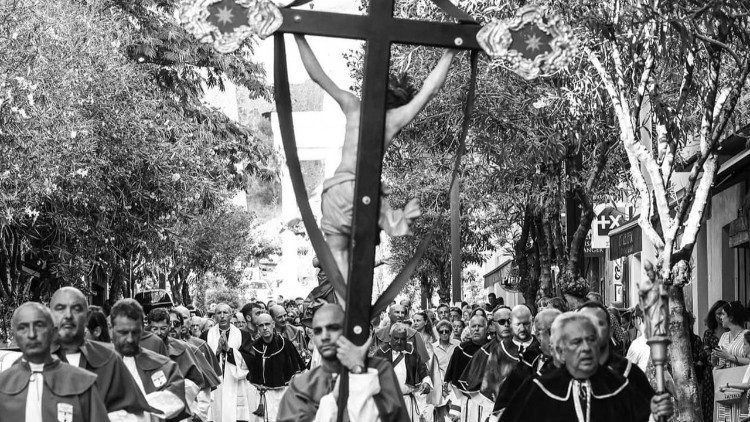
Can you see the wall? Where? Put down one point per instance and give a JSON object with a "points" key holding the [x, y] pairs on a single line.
{"points": [[721, 280]]}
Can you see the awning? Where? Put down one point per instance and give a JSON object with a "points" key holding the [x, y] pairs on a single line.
{"points": [[625, 240], [498, 274]]}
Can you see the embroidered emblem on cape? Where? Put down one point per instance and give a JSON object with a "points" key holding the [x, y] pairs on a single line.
{"points": [[158, 378], [64, 412]]}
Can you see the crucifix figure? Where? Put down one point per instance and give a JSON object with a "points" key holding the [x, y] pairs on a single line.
{"points": [[402, 106]]}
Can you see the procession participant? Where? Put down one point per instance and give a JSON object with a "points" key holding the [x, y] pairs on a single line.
{"points": [[196, 326], [397, 313], [373, 388], [291, 333], [542, 364], [462, 354], [39, 387], [231, 401], [251, 311], [607, 356], [442, 352], [581, 390], [116, 387], [272, 363], [338, 191], [495, 360], [501, 316], [157, 376], [411, 372], [152, 342], [211, 366]]}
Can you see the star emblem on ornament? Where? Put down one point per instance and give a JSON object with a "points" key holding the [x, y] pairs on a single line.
{"points": [[533, 43], [225, 16]]}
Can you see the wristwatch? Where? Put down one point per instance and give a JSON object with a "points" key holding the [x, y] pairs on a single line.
{"points": [[358, 369]]}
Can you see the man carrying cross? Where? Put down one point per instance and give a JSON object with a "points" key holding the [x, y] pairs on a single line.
{"points": [[338, 191]]}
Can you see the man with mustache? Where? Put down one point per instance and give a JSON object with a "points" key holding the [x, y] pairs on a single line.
{"points": [[40, 388], [490, 366], [397, 313], [158, 377], [581, 390], [117, 388]]}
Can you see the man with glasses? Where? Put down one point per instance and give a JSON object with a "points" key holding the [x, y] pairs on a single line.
{"points": [[502, 317], [442, 351], [372, 383]]}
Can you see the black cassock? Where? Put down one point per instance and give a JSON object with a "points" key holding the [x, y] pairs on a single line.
{"points": [[550, 398], [273, 364], [541, 365], [460, 358]]}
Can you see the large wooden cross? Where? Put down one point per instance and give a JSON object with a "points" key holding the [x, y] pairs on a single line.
{"points": [[380, 30]]}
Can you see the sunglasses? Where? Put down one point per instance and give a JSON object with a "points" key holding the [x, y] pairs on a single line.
{"points": [[444, 331], [503, 321], [176, 324]]}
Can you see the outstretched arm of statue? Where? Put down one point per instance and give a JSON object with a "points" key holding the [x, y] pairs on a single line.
{"points": [[346, 100], [403, 115]]}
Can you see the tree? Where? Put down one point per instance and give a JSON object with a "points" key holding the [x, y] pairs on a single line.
{"points": [[674, 73]]}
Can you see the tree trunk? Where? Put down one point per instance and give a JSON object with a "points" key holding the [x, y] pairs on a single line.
{"points": [[688, 400], [186, 300], [444, 289], [426, 290], [545, 256]]}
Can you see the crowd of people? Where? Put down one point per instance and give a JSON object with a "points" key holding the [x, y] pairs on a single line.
{"points": [[69, 361]]}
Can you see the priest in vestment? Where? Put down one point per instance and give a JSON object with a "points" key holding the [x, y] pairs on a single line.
{"points": [[581, 390], [39, 387], [411, 373], [116, 387], [397, 313], [374, 392], [232, 400], [272, 363], [157, 376], [489, 367], [461, 357]]}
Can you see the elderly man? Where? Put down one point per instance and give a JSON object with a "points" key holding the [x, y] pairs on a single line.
{"points": [[272, 363], [231, 402], [40, 388], [411, 372], [495, 360], [158, 378], [373, 391], [609, 357], [542, 364], [397, 313], [462, 355], [207, 361], [581, 390], [291, 333], [116, 387]]}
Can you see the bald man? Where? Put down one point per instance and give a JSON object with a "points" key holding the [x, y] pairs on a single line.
{"points": [[291, 333], [542, 364], [116, 386], [272, 363], [373, 388], [40, 387], [397, 313], [231, 399], [462, 355], [490, 366]]}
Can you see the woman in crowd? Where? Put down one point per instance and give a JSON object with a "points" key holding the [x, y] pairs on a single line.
{"points": [[96, 327], [731, 348], [423, 326]]}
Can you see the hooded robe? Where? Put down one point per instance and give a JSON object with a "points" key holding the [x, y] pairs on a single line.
{"points": [[69, 394]]}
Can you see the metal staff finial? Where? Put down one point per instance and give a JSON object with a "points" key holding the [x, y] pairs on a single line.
{"points": [[655, 305]]}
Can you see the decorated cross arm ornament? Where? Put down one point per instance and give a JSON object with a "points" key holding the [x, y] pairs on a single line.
{"points": [[227, 23], [532, 43]]}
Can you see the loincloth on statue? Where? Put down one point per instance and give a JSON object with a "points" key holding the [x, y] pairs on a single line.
{"points": [[337, 206]]}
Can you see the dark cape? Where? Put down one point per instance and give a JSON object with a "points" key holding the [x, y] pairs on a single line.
{"points": [[540, 366], [383, 337], [273, 364], [116, 386], [416, 370], [209, 373], [302, 398], [632, 372], [153, 343], [160, 373], [68, 391], [207, 353], [489, 367], [549, 398], [183, 356], [460, 358]]}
